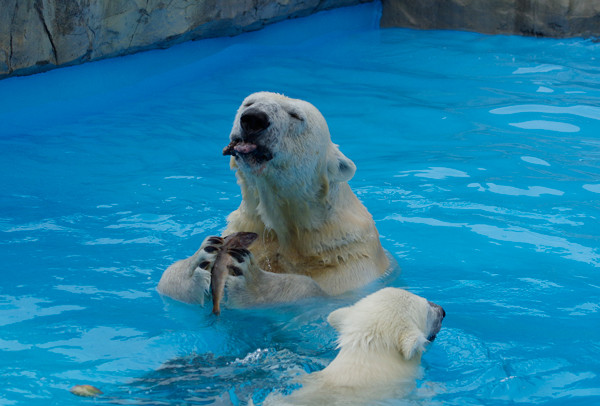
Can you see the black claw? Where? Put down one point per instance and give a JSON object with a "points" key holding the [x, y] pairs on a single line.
{"points": [[215, 240], [204, 265], [238, 253], [210, 249], [234, 270]]}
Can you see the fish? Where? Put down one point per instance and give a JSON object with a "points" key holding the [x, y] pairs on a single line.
{"points": [[87, 391], [222, 265]]}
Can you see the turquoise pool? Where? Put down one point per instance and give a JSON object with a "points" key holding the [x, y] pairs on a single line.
{"points": [[478, 156]]}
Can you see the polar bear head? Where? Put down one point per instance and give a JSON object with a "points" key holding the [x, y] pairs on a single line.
{"points": [[389, 319], [287, 140]]}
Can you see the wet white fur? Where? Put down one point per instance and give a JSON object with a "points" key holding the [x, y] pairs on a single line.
{"points": [[185, 281]]}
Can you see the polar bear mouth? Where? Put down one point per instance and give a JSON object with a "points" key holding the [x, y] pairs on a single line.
{"points": [[248, 151], [245, 141]]}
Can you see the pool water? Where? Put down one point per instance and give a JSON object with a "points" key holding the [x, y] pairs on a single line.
{"points": [[478, 156]]}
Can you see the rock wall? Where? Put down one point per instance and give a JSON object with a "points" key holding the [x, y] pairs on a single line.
{"points": [[38, 35], [544, 18]]}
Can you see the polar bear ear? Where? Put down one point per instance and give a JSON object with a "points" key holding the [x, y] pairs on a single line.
{"points": [[412, 344], [336, 318], [339, 167]]}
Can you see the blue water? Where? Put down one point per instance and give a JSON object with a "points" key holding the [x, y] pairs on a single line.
{"points": [[478, 156]]}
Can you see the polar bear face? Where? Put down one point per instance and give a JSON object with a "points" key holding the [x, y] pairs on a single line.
{"points": [[287, 139], [389, 319]]}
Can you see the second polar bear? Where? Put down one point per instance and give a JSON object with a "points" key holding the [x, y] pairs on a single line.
{"points": [[381, 339], [314, 235]]}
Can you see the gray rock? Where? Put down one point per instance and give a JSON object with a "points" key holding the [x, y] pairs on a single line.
{"points": [[37, 35], [544, 18]]}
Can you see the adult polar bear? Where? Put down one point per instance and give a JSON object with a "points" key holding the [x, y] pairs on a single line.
{"points": [[315, 236]]}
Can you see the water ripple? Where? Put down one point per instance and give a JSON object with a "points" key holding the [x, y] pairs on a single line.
{"points": [[583, 309], [93, 291], [546, 217], [13, 345], [534, 160], [18, 309], [594, 188], [532, 191], [538, 69], [44, 225], [579, 110], [547, 125], [116, 342], [118, 241], [435, 172], [541, 242]]}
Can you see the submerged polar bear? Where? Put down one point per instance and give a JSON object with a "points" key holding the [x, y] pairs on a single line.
{"points": [[314, 236], [381, 339]]}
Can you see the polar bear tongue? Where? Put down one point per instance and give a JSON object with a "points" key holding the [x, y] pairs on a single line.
{"points": [[240, 147], [245, 147], [251, 153]]}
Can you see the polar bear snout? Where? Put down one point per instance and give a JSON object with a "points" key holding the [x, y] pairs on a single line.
{"points": [[438, 309], [248, 138], [253, 123], [435, 316]]}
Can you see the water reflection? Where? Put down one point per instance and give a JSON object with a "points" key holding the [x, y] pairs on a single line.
{"points": [[17, 309], [532, 191], [595, 188], [580, 110], [517, 235], [534, 160], [435, 172], [547, 125], [92, 291], [538, 69]]}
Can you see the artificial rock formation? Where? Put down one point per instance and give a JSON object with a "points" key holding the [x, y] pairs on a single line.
{"points": [[37, 35], [542, 18]]}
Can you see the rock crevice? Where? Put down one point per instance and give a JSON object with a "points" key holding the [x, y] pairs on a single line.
{"points": [[39, 8]]}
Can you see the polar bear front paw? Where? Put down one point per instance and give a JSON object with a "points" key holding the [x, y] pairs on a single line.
{"points": [[188, 280]]}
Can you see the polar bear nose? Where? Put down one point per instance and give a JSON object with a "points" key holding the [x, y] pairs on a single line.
{"points": [[254, 121], [435, 317], [438, 309]]}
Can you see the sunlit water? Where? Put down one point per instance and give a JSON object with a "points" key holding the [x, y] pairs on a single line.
{"points": [[478, 156]]}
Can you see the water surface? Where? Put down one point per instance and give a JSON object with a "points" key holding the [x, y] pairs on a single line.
{"points": [[478, 156]]}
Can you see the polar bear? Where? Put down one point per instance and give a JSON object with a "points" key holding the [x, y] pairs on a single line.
{"points": [[381, 339], [314, 236]]}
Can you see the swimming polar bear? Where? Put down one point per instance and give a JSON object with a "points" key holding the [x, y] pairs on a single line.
{"points": [[314, 236], [381, 339]]}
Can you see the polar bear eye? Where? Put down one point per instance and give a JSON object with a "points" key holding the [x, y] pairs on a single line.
{"points": [[248, 104], [295, 115]]}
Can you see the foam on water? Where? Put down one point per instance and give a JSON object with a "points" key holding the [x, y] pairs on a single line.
{"points": [[478, 156]]}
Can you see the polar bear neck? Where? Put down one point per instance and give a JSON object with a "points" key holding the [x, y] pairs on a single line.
{"points": [[289, 209]]}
